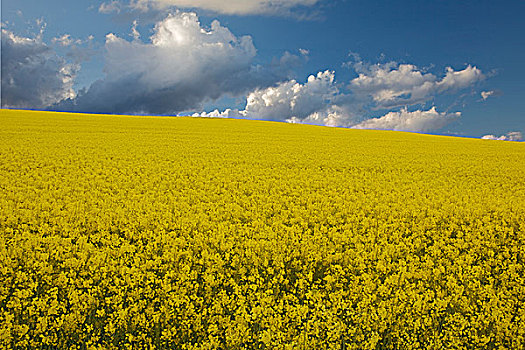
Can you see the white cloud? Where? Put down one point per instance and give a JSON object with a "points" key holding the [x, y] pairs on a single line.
{"points": [[304, 52], [230, 7], [291, 99], [455, 80], [66, 40], [417, 121], [485, 95], [510, 136], [33, 75], [321, 100], [182, 66], [228, 113], [388, 84], [110, 7], [317, 101], [393, 85], [134, 32]]}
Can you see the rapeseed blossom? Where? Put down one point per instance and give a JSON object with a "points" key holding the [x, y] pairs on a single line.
{"points": [[188, 233]]}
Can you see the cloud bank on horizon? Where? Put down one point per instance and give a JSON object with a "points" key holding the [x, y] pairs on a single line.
{"points": [[378, 87], [510, 136], [184, 65]]}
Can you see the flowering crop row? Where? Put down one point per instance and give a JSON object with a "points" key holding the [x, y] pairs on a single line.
{"points": [[189, 233]]}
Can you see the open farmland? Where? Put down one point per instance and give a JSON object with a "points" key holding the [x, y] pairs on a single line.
{"points": [[190, 233]]}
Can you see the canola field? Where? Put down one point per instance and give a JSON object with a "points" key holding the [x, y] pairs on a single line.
{"points": [[187, 233]]}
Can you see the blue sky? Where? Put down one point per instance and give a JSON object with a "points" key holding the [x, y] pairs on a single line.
{"points": [[452, 67]]}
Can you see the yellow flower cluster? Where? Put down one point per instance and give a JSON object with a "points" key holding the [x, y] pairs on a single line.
{"points": [[188, 233]]}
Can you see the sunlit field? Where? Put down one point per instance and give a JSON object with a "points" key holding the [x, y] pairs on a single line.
{"points": [[193, 233]]}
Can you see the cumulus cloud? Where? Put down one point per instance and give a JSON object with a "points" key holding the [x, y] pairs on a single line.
{"points": [[33, 75], [66, 40], [134, 31], [317, 101], [231, 7], [388, 87], [492, 93], [304, 52], [486, 94], [320, 101], [417, 121], [182, 66], [510, 136], [291, 99], [455, 80], [393, 85], [110, 7]]}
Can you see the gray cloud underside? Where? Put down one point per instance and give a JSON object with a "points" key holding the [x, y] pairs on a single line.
{"points": [[33, 76], [183, 66]]}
